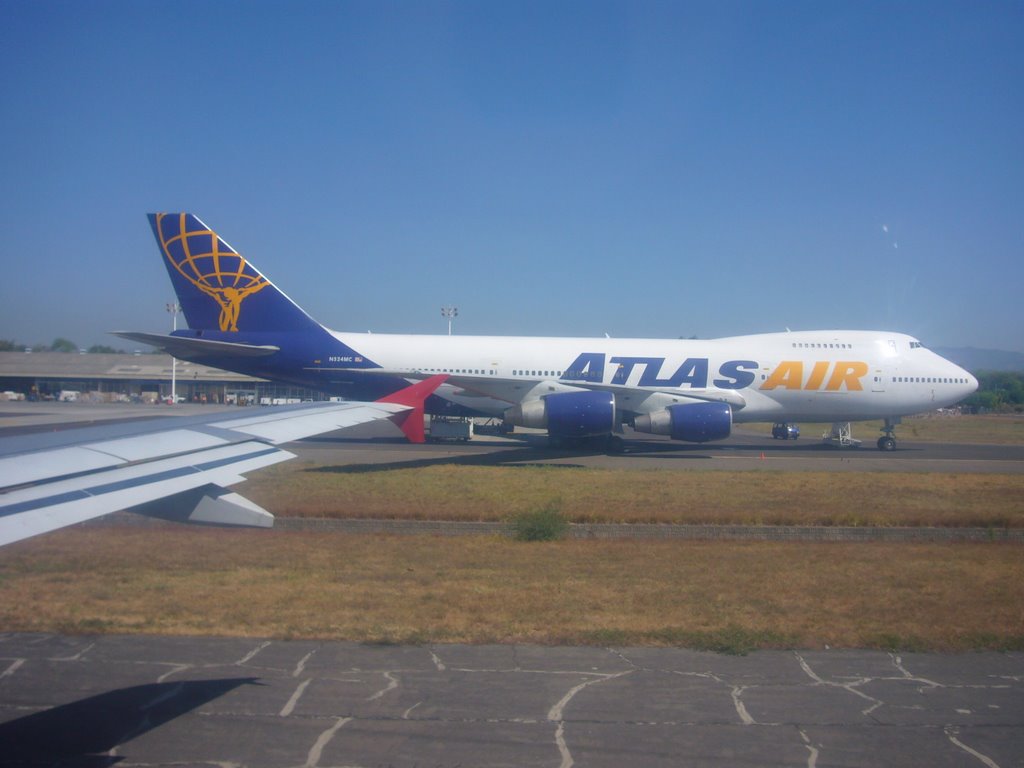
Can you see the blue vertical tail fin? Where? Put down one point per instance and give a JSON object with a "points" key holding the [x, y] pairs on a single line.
{"points": [[218, 289]]}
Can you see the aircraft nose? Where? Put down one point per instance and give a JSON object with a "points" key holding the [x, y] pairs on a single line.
{"points": [[970, 383]]}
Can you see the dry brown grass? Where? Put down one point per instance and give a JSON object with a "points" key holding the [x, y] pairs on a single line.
{"points": [[454, 492], [731, 596]]}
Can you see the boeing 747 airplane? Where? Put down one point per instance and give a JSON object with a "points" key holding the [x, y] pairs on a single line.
{"points": [[575, 388]]}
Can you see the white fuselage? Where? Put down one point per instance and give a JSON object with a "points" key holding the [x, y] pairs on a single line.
{"points": [[814, 375]]}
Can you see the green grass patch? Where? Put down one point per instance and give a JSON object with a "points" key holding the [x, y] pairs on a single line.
{"points": [[731, 640], [546, 523], [887, 641]]}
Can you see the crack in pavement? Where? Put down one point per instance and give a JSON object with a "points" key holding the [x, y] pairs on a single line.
{"points": [[555, 714], [316, 751], [952, 733], [850, 687]]}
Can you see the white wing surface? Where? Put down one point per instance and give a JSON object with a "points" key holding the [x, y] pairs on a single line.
{"points": [[174, 468]]}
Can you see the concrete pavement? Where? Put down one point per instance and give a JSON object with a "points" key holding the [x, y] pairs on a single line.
{"points": [[129, 701]]}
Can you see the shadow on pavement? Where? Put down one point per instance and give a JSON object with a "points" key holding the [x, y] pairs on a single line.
{"points": [[81, 733]]}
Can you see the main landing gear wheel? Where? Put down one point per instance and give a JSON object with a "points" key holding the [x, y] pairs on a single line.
{"points": [[887, 442]]}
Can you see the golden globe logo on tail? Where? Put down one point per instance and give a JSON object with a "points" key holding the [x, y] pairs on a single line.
{"points": [[212, 267]]}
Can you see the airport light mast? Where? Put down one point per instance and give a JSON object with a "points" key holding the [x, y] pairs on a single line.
{"points": [[174, 308], [449, 312]]}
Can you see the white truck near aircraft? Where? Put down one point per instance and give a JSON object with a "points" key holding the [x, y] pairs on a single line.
{"points": [[449, 429]]}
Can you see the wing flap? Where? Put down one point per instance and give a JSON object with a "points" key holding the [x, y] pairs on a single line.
{"points": [[209, 504], [151, 446], [229, 508], [98, 455], [286, 425], [38, 509], [31, 468]]}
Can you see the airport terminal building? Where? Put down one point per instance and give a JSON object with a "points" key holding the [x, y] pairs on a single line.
{"points": [[133, 378]]}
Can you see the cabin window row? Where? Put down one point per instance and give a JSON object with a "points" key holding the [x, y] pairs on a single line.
{"points": [[820, 345], [926, 380], [470, 371], [536, 373]]}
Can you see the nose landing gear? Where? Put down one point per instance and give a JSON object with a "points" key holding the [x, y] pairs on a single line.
{"points": [[842, 436]]}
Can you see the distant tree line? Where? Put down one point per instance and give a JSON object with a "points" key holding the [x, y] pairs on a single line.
{"points": [[1000, 391], [58, 345]]}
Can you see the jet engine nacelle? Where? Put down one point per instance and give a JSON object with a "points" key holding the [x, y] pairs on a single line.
{"points": [[693, 422], [567, 414]]}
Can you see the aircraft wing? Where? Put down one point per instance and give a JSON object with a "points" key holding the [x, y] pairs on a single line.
{"points": [[631, 399], [174, 468]]}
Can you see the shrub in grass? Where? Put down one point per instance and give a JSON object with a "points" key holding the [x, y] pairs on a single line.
{"points": [[544, 524]]}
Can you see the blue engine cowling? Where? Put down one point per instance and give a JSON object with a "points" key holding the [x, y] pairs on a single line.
{"points": [[567, 414], [692, 422]]}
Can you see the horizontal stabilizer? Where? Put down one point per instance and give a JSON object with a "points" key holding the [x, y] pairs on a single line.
{"points": [[190, 349]]}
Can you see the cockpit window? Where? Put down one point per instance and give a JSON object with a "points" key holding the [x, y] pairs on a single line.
{"points": [[916, 345]]}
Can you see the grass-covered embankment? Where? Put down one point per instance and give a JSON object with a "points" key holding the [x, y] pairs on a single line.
{"points": [[457, 492], [725, 596]]}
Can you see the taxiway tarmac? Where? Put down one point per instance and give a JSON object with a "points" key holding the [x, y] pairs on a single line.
{"points": [[750, 447], [133, 701]]}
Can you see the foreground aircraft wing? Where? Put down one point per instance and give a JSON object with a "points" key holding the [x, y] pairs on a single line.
{"points": [[173, 468]]}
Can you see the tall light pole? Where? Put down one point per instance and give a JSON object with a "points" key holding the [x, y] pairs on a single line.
{"points": [[174, 308], [450, 312]]}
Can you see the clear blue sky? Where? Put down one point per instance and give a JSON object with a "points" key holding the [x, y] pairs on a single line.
{"points": [[552, 168]]}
